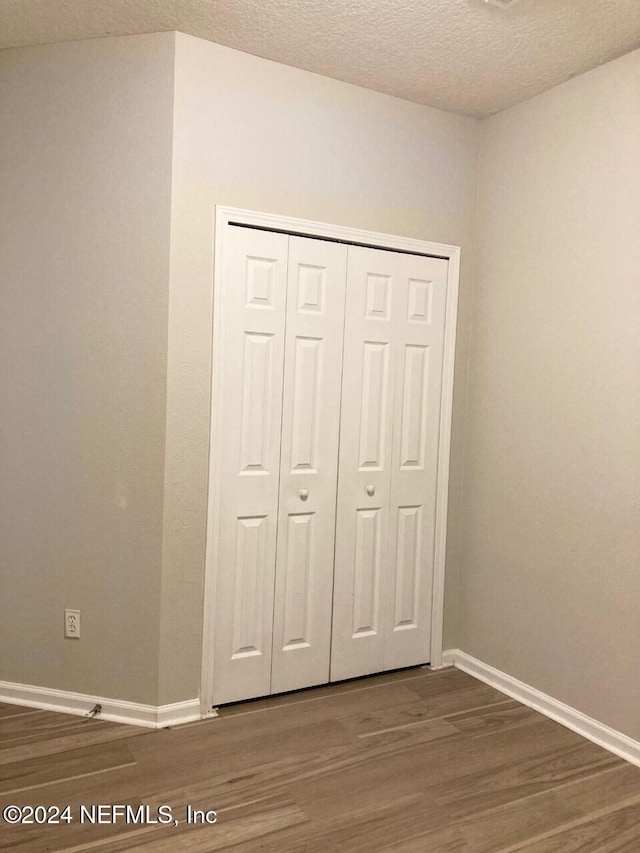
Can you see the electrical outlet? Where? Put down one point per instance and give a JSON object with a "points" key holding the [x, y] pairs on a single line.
{"points": [[72, 623]]}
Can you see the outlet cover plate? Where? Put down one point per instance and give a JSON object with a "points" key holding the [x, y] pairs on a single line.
{"points": [[72, 624]]}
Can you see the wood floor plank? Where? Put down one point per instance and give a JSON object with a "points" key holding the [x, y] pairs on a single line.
{"points": [[385, 759], [319, 772], [236, 754], [613, 832], [229, 833], [156, 782], [95, 732], [16, 710], [412, 828], [443, 681], [505, 828], [24, 728], [321, 707], [398, 764], [255, 822], [431, 762], [326, 691], [119, 786], [478, 722], [414, 710], [363, 831], [486, 789], [69, 765], [271, 769]]}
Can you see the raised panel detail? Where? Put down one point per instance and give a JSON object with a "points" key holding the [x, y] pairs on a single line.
{"points": [[420, 301], [297, 581], [378, 299], [306, 400], [407, 567], [414, 406], [256, 402], [366, 572], [311, 289], [374, 405], [260, 282], [251, 543]]}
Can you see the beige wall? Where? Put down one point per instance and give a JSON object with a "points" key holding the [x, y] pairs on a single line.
{"points": [[85, 160], [551, 583], [255, 134]]}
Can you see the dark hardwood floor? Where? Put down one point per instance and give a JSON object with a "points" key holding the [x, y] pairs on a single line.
{"points": [[410, 761]]}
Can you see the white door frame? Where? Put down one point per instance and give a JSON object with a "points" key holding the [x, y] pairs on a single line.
{"points": [[225, 216]]}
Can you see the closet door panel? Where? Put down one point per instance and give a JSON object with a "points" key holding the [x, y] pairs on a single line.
{"points": [[421, 304], [330, 400], [309, 458], [253, 309], [366, 433]]}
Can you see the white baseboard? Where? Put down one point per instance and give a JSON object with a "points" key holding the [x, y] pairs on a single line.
{"points": [[179, 712], [612, 740], [114, 710]]}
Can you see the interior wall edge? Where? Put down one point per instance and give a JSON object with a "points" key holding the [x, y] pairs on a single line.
{"points": [[452, 629]]}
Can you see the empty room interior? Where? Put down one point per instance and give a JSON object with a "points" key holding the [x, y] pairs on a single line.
{"points": [[320, 426]]}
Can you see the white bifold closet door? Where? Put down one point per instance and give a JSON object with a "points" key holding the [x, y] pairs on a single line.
{"points": [[308, 464], [282, 329], [391, 389], [328, 446]]}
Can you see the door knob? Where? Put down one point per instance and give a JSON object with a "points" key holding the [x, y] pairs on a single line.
{"points": [[304, 494], [371, 490]]}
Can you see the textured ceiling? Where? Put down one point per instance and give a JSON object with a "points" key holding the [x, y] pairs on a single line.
{"points": [[460, 55]]}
